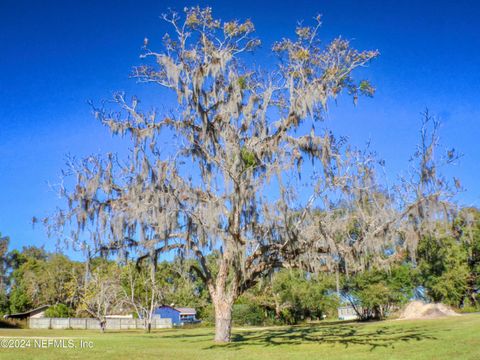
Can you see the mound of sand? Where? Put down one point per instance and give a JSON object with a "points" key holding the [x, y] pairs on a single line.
{"points": [[420, 310]]}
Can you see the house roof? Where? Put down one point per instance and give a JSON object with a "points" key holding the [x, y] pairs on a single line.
{"points": [[182, 310], [27, 313], [186, 311]]}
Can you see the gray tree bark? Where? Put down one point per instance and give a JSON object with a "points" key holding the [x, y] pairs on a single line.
{"points": [[223, 319]]}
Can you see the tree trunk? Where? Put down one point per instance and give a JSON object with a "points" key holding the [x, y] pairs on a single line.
{"points": [[223, 319], [103, 324], [277, 308], [337, 282]]}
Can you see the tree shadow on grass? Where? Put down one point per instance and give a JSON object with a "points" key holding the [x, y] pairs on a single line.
{"points": [[343, 334], [200, 335]]}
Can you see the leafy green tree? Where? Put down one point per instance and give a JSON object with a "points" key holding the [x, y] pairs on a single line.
{"points": [[299, 295], [4, 302], [4, 241], [248, 314], [443, 269], [38, 278], [468, 229], [45, 281], [374, 293], [20, 301], [20, 298], [257, 306], [450, 264], [59, 311]]}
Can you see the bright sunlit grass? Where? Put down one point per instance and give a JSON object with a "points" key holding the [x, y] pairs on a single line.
{"points": [[449, 338]]}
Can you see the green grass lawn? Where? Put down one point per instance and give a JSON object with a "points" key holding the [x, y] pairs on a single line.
{"points": [[448, 338]]}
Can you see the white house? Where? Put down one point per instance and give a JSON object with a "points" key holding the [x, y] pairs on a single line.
{"points": [[347, 313]]}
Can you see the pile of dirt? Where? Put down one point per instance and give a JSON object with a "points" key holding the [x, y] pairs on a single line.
{"points": [[420, 310]]}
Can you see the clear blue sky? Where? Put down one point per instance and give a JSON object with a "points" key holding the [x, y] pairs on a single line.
{"points": [[56, 55]]}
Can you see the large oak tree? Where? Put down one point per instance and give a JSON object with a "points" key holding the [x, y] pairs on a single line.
{"points": [[242, 166]]}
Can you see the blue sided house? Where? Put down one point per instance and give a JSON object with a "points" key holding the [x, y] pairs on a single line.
{"points": [[179, 315]]}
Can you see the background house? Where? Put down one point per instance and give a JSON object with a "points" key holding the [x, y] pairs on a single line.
{"points": [[178, 315], [347, 313], [188, 315], [34, 313]]}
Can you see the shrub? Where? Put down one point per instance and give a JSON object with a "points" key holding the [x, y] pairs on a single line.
{"points": [[248, 314]]}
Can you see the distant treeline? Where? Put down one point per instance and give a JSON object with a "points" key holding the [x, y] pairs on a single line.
{"points": [[443, 270]]}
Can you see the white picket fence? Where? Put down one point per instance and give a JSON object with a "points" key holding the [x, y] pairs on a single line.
{"points": [[89, 323]]}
